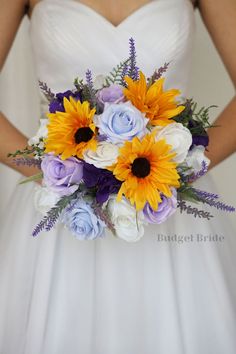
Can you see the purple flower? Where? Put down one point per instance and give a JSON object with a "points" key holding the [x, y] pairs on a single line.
{"points": [[111, 94], [200, 138], [57, 103], [103, 180], [165, 209], [62, 176], [133, 69], [82, 221]]}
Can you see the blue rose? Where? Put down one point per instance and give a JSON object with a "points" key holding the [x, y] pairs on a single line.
{"points": [[121, 122], [82, 221]]}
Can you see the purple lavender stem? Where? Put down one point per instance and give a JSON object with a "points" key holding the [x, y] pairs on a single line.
{"points": [[46, 90], [89, 79], [133, 69], [158, 73], [198, 174], [124, 73], [193, 211], [26, 161], [103, 216], [205, 195], [219, 205]]}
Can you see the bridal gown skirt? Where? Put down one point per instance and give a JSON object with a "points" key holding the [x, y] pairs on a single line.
{"points": [[59, 295]]}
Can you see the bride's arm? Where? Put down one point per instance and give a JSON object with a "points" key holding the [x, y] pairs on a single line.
{"points": [[11, 139], [220, 19]]}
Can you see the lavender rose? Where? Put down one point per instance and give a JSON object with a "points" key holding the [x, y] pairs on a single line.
{"points": [[62, 176], [82, 222], [165, 209], [111, 94], [121, 122]]}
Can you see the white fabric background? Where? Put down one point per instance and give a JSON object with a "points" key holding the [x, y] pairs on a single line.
{"points": [[19, 101]]}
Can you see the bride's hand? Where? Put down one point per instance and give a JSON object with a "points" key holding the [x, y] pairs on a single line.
{"points": [[11, 139]]}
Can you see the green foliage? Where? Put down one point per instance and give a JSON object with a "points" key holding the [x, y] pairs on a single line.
{"points": [[182, 169], [87, 93], [187, 192], [199, 117], [79, 84], [115, 76], [35, 150], [35, 177]]}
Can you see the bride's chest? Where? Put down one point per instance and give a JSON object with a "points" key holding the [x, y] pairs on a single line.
{"points": [[156, 21], [69, 36]]}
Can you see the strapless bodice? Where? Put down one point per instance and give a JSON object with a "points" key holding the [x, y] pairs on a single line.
{"points": [[69, 37]]}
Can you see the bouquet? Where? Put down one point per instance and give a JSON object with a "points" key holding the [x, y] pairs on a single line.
{"points": [[118, 152]]}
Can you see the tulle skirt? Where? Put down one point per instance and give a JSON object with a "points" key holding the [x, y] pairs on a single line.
{"points": [[172, 292]]}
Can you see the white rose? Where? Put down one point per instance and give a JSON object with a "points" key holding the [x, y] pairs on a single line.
{"points": [[195, 158], [179, 137], [41, 133], [99, 82], [105, 155], [44, 199], [127, 222]]}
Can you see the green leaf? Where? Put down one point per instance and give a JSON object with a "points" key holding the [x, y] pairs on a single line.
{"points": [[114, 77], [36, 177]]}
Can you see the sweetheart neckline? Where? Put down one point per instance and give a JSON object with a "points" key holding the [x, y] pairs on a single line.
{"points": [[100, 16]]}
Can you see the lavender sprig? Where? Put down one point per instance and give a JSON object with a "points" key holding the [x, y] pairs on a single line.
{"points": [[158, 74], [211, 199], [89, 79], [88, 91], [133, 71], [102, 214], [193, 177], [193, 210], [205, 195], [50, 219], [27, 161], [124, 73], [219, 205], [46, 90]]}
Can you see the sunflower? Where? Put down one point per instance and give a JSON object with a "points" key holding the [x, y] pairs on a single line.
{"points": [[146, 169], [72, 131], [158, 105]]}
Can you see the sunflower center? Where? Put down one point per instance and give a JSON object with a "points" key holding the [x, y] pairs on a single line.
{"points": [[83, 134], [141, 167]]}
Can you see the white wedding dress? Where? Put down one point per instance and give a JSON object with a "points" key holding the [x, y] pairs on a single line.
{"points": [[59, 295]]}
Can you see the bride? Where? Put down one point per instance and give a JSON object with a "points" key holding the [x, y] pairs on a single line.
{"points": [[159, 295]]}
